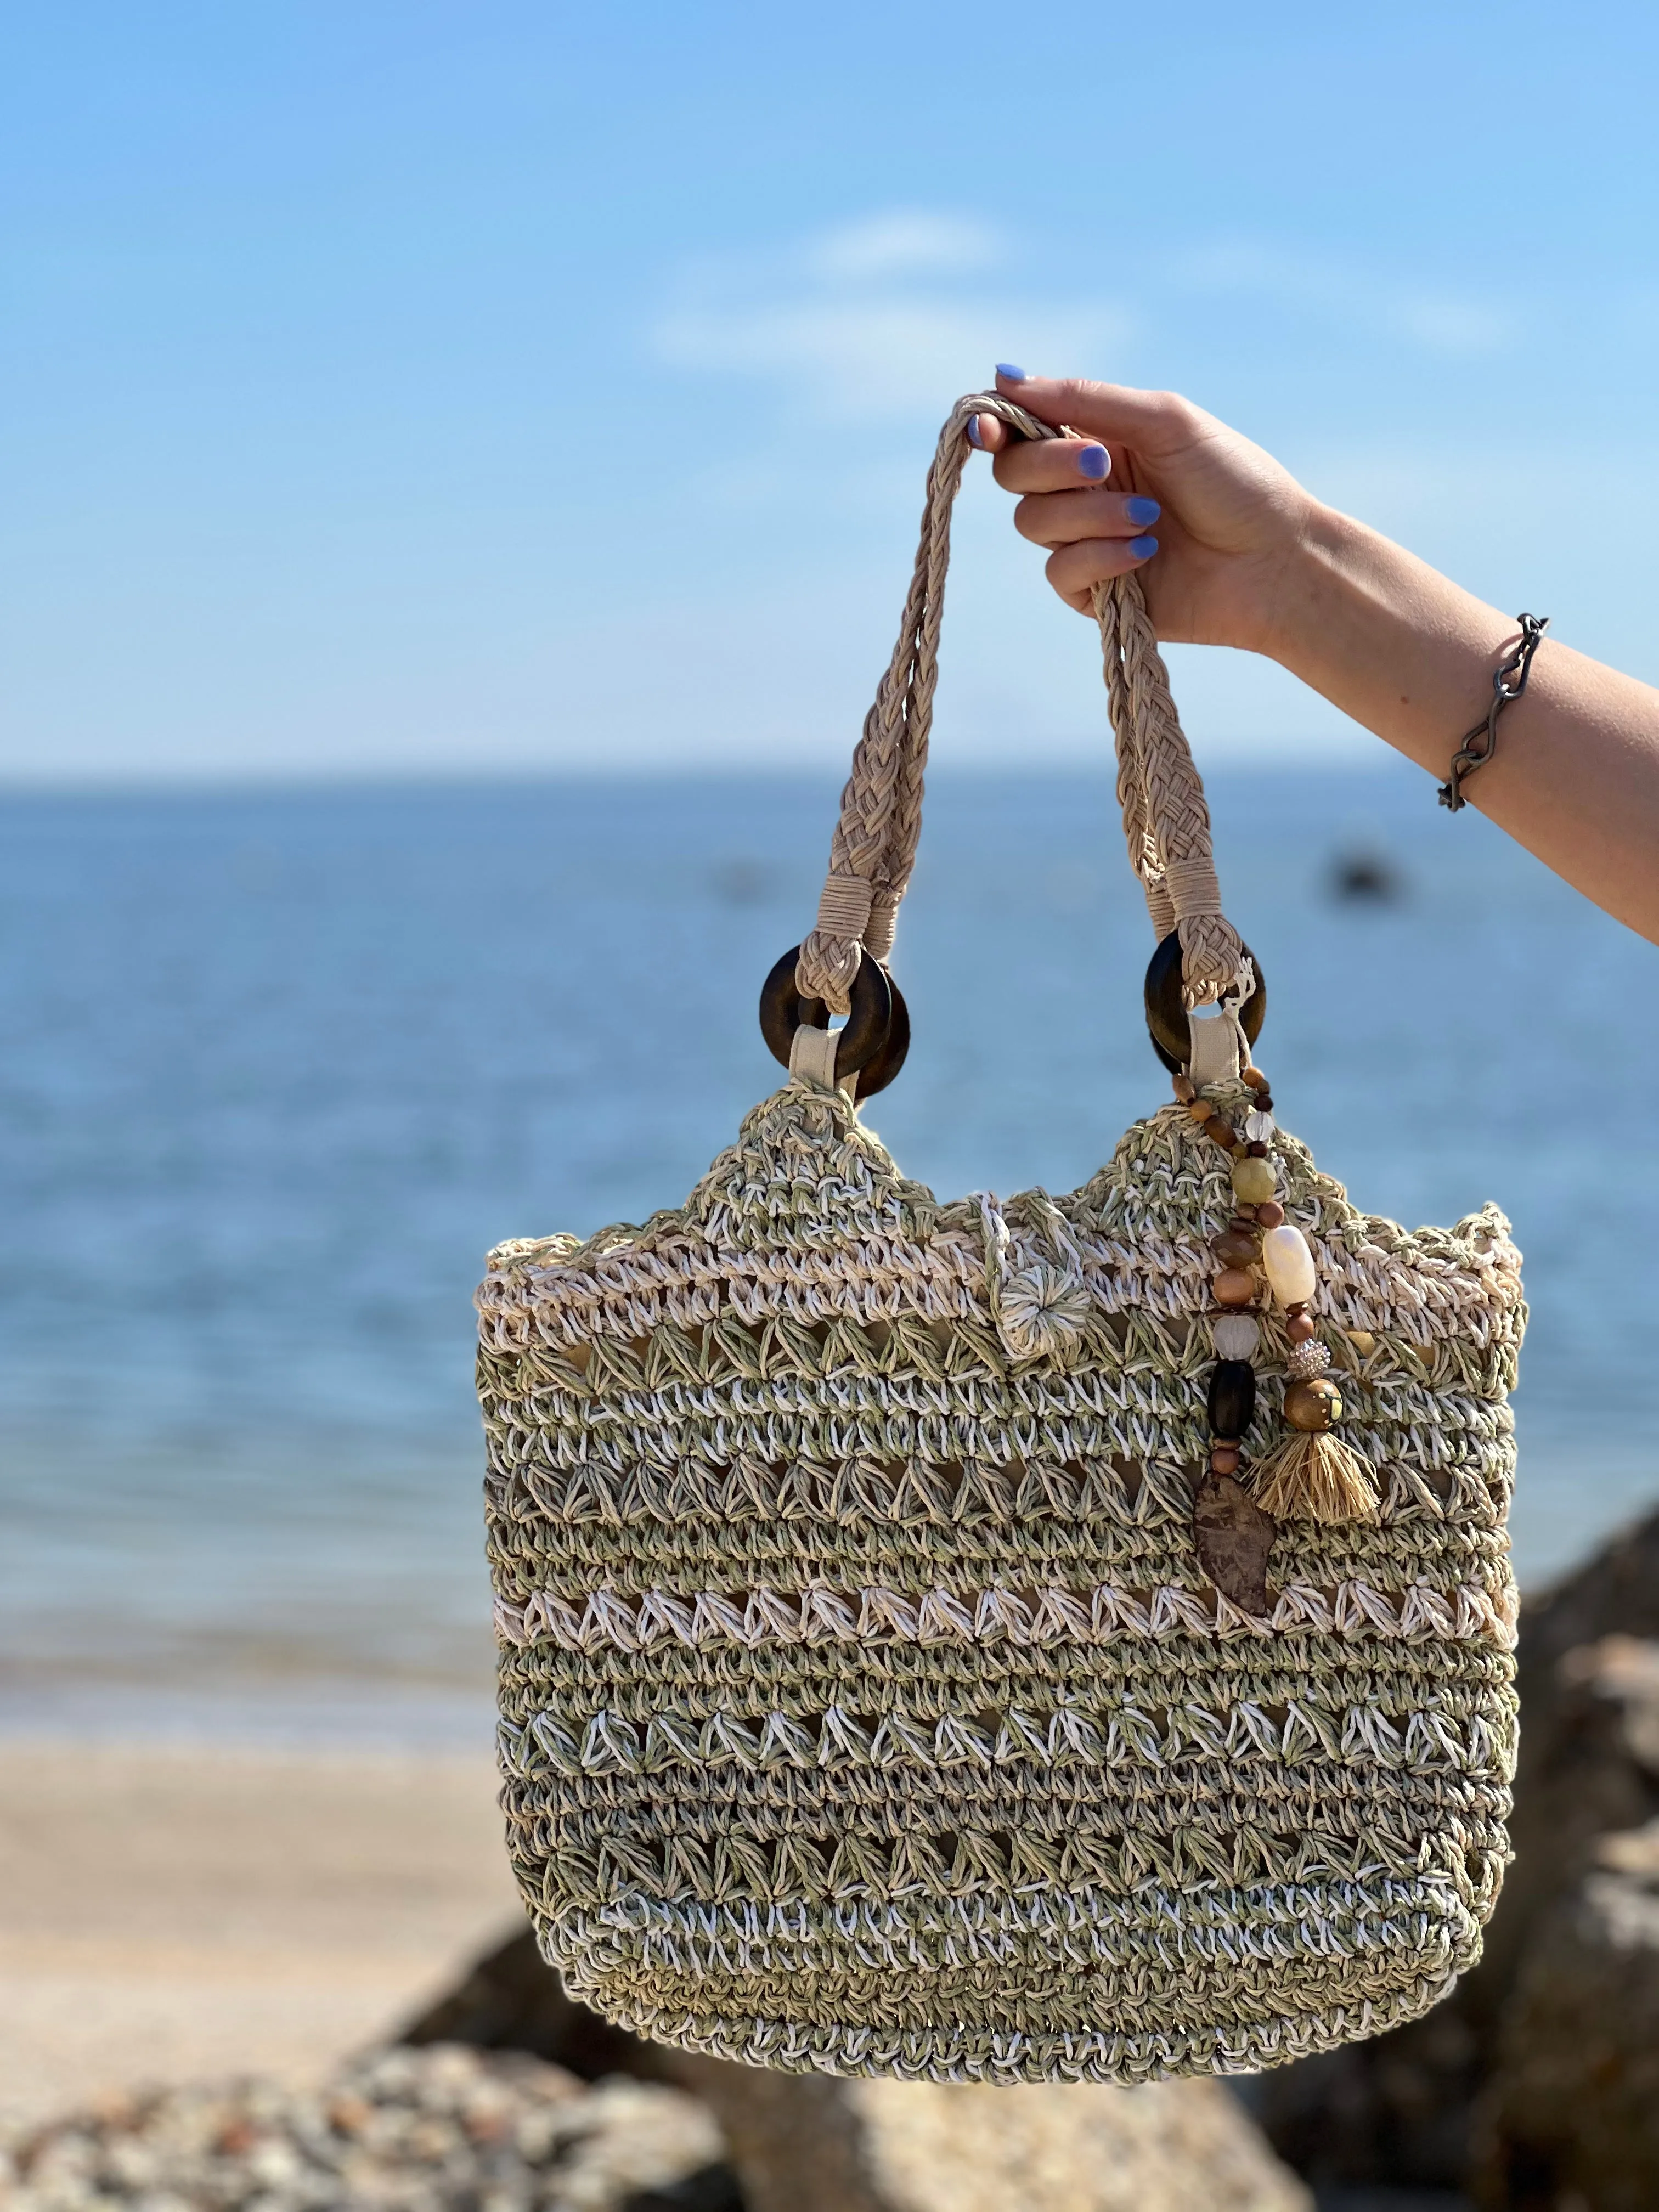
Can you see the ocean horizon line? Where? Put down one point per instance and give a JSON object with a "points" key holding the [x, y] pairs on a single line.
{"points": [[1344, 763]]}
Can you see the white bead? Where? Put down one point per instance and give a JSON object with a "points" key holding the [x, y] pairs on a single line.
{"points": [[1236, 1336], [1258, 1128], [1288, 1265]]}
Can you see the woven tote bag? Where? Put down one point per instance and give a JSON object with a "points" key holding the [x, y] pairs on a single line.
{"points": [[1060, 1639]]}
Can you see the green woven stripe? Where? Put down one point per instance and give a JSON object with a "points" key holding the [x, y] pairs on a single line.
{"points": [[1123, 1739], [932, 1680], [946, 1435], [1038, 2000], [885, 1802], [934, 1839], [1222, 2045], [887, 1419], [1170, 1869], [637, 1557], [1323, 1821]]}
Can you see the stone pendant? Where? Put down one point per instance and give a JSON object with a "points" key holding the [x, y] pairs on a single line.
{"points": [[1234, 1537]]}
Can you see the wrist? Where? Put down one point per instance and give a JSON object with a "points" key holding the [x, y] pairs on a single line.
{"points": [[1329, 559], [1387, 640]]}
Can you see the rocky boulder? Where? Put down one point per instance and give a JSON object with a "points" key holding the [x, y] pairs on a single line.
{"points": [[820, 2145], [1442, 2104], [811, 2143], [1572, 2114]]}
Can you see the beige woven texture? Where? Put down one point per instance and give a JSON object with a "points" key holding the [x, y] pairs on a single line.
{"points": [[1166, 819], [864, 1706]]}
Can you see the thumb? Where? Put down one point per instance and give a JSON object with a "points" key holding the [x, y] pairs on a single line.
{"points": [[988, 432]]}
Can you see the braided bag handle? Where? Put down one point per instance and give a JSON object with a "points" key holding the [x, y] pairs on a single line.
{"points": [[1165, 819]]}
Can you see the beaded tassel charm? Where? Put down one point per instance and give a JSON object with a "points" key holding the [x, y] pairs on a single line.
{"points": [[1313, 1475]]}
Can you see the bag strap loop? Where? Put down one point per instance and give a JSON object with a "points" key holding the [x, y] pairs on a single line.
{"points": [[1165, 819]]}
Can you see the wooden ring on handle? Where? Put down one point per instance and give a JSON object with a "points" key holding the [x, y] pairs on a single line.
{"points": [[1166, 1011], [876, 1035]]}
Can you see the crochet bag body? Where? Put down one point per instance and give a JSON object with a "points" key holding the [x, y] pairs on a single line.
{"points": [[1065, 1639]]}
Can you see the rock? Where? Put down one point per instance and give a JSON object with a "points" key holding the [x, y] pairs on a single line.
{"points": [[1398, 2111], [510, 1999], [812, 2144], [1589, 1732], [440, 2130], [1614, 1592], [1572, 2114], [1393, 2113], [1163, 2148]]}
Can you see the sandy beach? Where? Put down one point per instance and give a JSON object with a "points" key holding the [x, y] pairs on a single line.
{"points": [[168, 1912]]}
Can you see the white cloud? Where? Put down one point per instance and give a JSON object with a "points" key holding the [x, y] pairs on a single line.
{"points": [[1349, 296], [853, 358], [1443, 325], [903, 243], [877, 317]]}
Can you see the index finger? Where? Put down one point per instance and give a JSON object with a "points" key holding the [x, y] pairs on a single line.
{"points": [[1153, 423]]}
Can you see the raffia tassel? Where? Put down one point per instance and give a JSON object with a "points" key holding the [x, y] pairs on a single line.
{"points": [[1314, 1478]]}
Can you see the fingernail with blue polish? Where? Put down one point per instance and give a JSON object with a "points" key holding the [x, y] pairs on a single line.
{"points": [[974, 438], [1142, 548], [1093, 462], [1009, 374], [1141, 511]]}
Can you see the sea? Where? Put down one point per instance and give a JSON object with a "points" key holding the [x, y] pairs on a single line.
{"points": [[277, 1066]]}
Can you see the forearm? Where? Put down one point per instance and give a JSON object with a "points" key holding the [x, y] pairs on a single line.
{"points": [[1575, 776]]}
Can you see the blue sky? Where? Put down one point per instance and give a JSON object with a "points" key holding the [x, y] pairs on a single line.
{"points": [[500, 387]]}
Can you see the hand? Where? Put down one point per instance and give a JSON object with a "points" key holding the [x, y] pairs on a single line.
{"points": [[1241, 556], [1229, 520]]}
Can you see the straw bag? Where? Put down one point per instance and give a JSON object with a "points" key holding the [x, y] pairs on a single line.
{"points": [[1059, 1638]]}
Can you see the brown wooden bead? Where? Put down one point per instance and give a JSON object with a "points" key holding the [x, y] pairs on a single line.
{"points": [[1271, 1214], [1223, 1132], [1299, 1328], [1233, 1286], [1254, 1077], [1201, 1109], [1244, 1221], [1264, 1101], [1184, 1090], [1256, 1149], [1233, 1249], [1312, 1406], [1224, 1458]]}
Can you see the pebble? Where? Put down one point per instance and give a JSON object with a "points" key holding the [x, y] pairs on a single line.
{"points": [[442, 2128]]}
